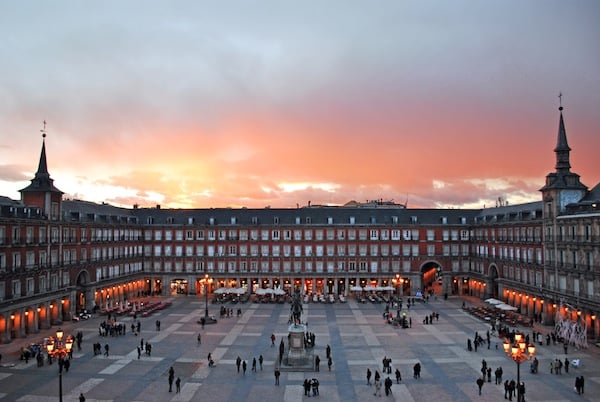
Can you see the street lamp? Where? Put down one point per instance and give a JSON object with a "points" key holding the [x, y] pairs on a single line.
{"points": [[207, 319], [59, 349], [519, 351]]}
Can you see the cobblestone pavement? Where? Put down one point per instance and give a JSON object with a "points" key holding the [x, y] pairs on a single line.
{"points": [[358, 336]]}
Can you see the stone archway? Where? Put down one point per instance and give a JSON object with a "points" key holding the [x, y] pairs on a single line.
{"points": [[431, 273], [81, 297], [492, 282]]}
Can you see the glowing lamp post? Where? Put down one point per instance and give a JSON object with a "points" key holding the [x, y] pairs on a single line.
{"points": [[519, 351], [59, 349], [207, 319]]}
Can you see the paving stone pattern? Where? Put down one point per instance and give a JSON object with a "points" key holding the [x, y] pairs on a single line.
{"points": [[358, 336]]}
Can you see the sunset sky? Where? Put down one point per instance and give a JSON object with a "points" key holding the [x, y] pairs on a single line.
{"points": [[196, 104]]}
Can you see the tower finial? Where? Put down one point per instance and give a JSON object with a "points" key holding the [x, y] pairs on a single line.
{"points": [[560, 101], [43, 130]]}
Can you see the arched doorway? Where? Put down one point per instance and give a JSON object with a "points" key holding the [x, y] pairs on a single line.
{"points": [[492, 286], [179, 286], [80, 295], [431, 278]]}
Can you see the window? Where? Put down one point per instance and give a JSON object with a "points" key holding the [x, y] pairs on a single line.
{"points": [[16, 288], [308, 250], [430, 250], [415, 250]]}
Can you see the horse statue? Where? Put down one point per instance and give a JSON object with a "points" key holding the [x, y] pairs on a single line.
{"points": [[296, 309]]}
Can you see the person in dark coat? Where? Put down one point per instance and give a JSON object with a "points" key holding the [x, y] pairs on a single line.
{"points": [[277, 374], [398, 376], [480, 383], [388, 386]]}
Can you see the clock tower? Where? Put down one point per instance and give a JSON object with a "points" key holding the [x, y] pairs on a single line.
{"points": [[563, 187]]}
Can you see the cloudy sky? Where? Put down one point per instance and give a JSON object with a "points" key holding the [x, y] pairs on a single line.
{"points": [[256, 103]]}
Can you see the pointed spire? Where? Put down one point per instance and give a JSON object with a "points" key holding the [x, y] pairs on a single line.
{"points": [[562, 149], [43, 165], [563, 178], [42, 181]]}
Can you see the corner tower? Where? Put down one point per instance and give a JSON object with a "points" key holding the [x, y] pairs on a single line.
{"points": [[41, 192], [563, 187]]}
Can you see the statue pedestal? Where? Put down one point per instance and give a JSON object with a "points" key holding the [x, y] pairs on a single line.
{"points": [[297, 358]]}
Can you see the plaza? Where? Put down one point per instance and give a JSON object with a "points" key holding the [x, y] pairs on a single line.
{"points": [[357, 333]]}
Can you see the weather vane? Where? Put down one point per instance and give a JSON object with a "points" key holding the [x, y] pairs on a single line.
{"points": [[43, 130], [560, 100]]}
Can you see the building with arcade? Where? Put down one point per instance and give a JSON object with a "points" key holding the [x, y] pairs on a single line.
{"points": [[60, 256]]}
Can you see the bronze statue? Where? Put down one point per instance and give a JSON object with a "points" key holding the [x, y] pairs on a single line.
{"points": [[296, 308]]}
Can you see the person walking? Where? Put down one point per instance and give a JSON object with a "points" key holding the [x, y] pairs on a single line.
{"points": [[238, 362], [277, 374], [139, 352], [260, 361], [388, 386], [244, 366], [254, 364], [317, 362], [480, 383], [329, 363], [398, 376], [199, 339], [106, 347], [377, 388], [178, 385], [81, 397], [272, 340], [368, 377], [171, 378]]}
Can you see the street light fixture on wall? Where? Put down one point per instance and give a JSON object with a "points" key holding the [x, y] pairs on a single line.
{"points": [[59, 349], [519, 351]]}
